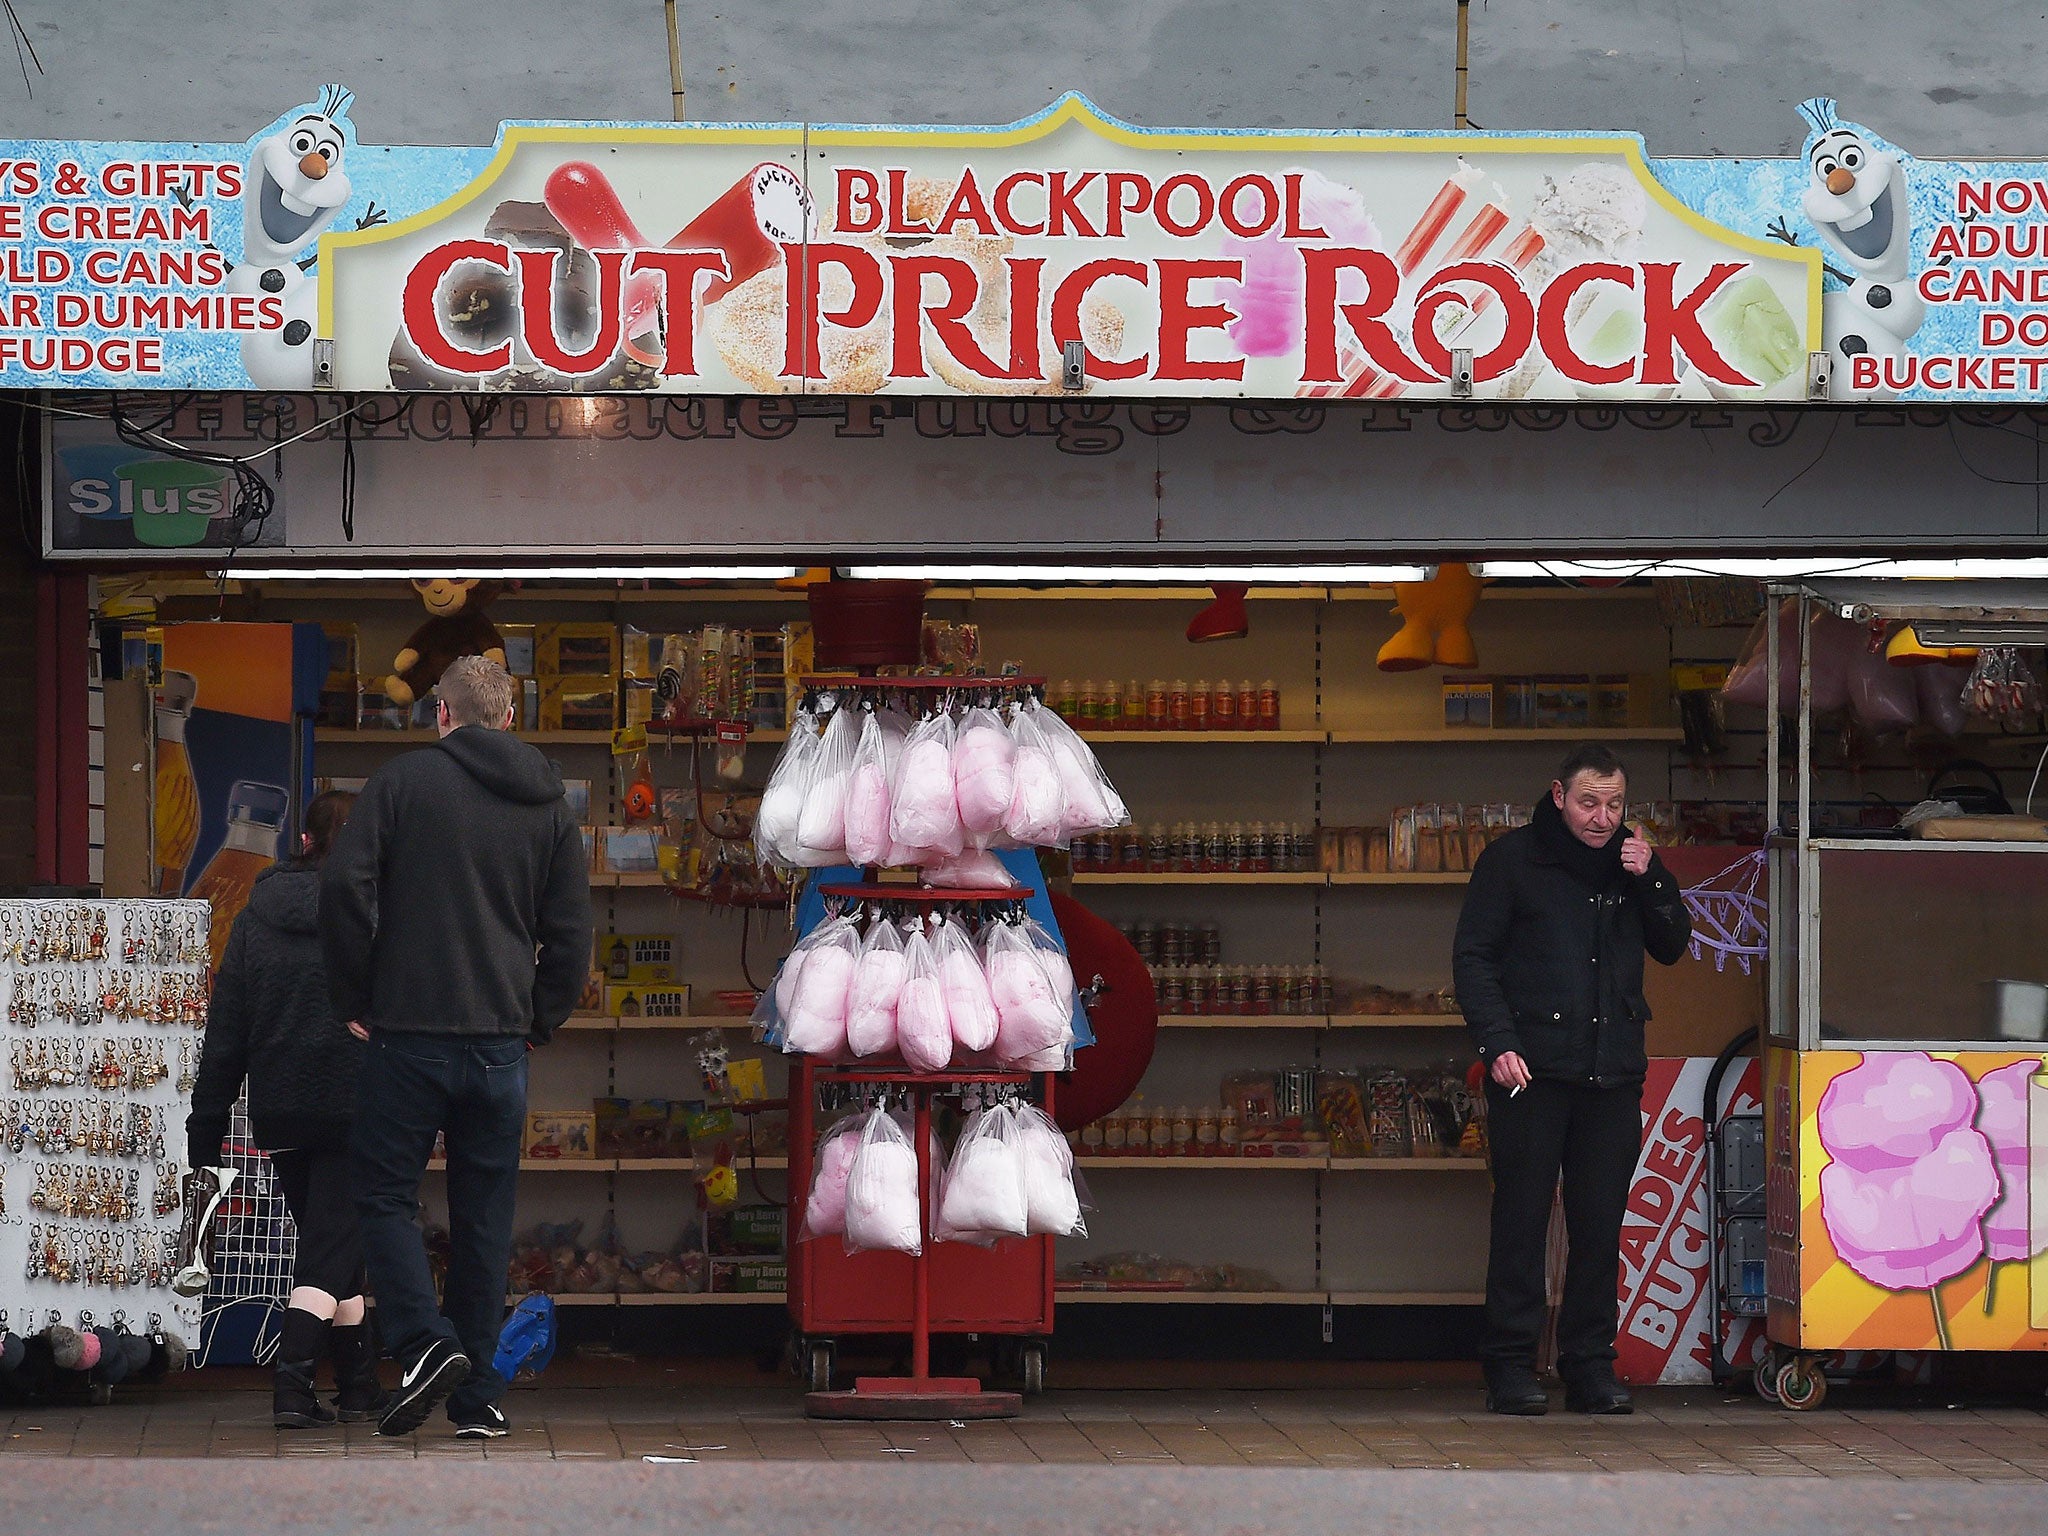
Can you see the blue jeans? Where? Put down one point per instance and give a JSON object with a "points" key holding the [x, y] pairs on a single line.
{"points": [[473, 1089]]}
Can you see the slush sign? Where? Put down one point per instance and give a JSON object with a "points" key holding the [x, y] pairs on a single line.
{"points": [[107, 494]]}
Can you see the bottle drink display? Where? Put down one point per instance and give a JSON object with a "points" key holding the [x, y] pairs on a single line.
{"points": [[175, 808], [257, 814]]}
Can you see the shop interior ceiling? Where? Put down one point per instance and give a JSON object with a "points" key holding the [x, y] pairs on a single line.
{"points": [[712, 480]]}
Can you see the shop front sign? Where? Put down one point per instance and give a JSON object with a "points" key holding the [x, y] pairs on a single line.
{"points": [[1068, 256]]}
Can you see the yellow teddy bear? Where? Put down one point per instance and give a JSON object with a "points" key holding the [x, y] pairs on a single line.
{"points": [[1434, 615]]}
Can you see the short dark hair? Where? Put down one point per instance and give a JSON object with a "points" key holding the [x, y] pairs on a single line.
{"points": [[326, 814], [1590, 757]]}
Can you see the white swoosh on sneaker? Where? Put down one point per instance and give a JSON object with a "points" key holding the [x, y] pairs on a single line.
{"points": [[418, 1366]]}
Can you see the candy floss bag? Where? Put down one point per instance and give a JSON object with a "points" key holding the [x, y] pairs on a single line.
{"points": [[782, 800], [818, 976], [924, 1035], [1036, 816], [825, 1208], [867, 795], [983, 775], [1053, 1194], [1033, 989], [1091, 801], [923, 812], [984, 1187], [881, 1190], [878, 978], [970, 1010], [821, 829]]}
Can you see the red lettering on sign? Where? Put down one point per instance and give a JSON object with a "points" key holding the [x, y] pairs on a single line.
{"points": [[1671, 325], [1179, 317], [1367, 319], [422, 315]]}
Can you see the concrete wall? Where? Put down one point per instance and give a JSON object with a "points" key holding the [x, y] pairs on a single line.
{"points": [[1962, 78]]}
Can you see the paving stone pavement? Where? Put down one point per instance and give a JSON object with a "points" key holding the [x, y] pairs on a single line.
{"points": [[1683, 1431]]}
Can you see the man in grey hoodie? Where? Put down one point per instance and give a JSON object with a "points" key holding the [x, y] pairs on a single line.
{"points": [[455, 922]]}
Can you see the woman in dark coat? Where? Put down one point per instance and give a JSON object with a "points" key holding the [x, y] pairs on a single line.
{"points": [[272, 1023]]}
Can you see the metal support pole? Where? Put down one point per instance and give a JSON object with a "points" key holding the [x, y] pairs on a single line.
{"points": [[1464, 54], [921, 1290]]}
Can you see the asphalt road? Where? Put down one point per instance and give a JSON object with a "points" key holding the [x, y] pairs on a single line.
{"points": [[427, 1497]]}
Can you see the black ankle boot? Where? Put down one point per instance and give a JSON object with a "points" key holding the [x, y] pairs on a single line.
{"points": [[1593, 1389], [1514, 1389], [293, 1403], [359, 1394]]}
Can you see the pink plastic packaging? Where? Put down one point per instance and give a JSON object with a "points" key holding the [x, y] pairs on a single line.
{"points": [[923, 812], [970, 1010]]}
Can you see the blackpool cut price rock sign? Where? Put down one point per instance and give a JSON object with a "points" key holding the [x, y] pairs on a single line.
{"points": [[791, 259]]}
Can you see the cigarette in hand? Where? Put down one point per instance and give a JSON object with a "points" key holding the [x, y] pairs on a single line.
{"points": [[1516, 1089]]}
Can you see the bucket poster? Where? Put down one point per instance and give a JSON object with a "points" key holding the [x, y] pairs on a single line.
{"points": [[1666, 1233], [1915, 1230], [1067, 254], [107, 494]]}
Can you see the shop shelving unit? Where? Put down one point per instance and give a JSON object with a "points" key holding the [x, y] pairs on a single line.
{"points": [[1353, 743]]}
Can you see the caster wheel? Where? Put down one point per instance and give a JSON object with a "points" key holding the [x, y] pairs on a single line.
{"points": [[1765, 1376], [1801, 1385], [817, 1362], [1031, 1369]]}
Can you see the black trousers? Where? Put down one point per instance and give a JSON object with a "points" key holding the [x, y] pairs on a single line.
{"points": [[317, 1191], [1590, 1136], [473, 1089]]}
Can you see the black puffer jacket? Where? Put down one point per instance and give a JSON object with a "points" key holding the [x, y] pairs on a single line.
{"points": [[1549, 954], [457, 899], [273, 1023]]}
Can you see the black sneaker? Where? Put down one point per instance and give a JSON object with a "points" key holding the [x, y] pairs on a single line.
{"points": [[484, 1423], [429, 1377]]}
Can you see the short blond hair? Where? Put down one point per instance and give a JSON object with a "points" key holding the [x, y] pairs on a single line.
{"points": [[477, 691]]}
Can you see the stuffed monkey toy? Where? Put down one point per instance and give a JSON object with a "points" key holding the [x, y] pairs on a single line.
{"points": [[456, 625]]}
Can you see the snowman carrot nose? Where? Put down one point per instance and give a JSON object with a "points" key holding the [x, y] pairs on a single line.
{"points": [[1841, 182], [314, 164]]}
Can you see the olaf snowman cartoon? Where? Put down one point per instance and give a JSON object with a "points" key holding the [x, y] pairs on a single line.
{"points": [[293, 188], [1856, 198]]}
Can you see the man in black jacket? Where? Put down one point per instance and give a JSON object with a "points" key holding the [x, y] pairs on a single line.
{"points": [[1549, 974], [455, 917]]}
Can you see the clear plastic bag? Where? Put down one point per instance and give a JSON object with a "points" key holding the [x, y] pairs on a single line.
{"points": [[782, 801], [878, 979], [825, 1206], [1033, 989], [1036, 817], [814, 1011], [1053, 1195], [867, 796], [924, 1035], [924, 814], [881, 1190], [821, 829], [970, 1009], [974, 869], [1091, 803], [983, 774], [984, 1185]]}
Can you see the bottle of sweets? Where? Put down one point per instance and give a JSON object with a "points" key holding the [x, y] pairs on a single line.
{"points": [[1177, 705], [1223, 707], [1134, 706], [1156, 706], [1247, 705], [1198, 706], [1269, 705]]}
